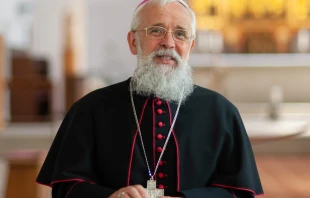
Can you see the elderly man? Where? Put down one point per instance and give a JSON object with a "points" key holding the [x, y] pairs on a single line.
{"points": [[155, 134]]}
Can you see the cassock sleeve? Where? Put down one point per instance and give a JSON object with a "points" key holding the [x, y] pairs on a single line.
{"points": [[70, 159], [236, 172]]}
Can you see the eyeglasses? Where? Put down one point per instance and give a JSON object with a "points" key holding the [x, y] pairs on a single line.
{"points": [[156, 32]]}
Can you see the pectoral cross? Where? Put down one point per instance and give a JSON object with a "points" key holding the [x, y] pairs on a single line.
{"points": [[152, 191]]}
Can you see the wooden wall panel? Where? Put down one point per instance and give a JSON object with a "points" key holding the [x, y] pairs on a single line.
{"points": [[24, 167], [30, 89]]}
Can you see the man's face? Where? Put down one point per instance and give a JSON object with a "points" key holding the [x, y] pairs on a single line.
{"points": [[172, 16]]}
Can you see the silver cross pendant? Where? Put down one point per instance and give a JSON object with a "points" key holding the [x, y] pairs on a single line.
{"points": [[152, 191]]}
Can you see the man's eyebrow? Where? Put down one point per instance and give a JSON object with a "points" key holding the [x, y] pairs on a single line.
{"points": [[159, 24], [180, 27]]}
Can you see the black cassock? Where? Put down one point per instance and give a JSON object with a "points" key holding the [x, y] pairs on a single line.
{"points": [[97, 149]]}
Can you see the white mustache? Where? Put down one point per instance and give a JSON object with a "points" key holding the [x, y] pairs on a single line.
{"points": [[169, 52]]}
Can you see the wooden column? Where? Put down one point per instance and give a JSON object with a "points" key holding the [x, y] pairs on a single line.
{"points": [[73, 82], [2, 82]]}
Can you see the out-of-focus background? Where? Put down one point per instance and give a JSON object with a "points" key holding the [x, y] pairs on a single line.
{"points": [[254, 52]]}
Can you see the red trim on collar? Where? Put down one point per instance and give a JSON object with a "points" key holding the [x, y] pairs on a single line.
{"points": [[134, 141]]}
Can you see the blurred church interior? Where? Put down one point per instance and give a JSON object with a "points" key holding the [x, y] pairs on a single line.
{"points": [[254, 52]]}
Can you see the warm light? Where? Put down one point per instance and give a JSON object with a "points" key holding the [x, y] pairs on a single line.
{"points": [[276, 7], [263, 25], [302, 9], [238, 8], [207, 23], [215, 14], [257, 8], [202, 7]]}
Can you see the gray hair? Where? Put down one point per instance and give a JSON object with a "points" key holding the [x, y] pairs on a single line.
{"points": [[136, 15]]}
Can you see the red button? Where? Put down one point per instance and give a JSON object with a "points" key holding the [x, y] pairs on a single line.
{"points": [[160, 136], [159, 149], [159, 102], [161, 175], [159, 111], [162, 163], [160, 124], [161, 186]]}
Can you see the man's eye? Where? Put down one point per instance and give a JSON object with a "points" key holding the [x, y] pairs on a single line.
{"points": [[181, 34], [155, 31]]}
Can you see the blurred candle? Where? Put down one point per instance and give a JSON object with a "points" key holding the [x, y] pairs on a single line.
{"points": [[276, 94], [275, 99]]}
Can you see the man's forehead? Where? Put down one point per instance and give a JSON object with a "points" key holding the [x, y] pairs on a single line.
{"points": [[166, 15]]}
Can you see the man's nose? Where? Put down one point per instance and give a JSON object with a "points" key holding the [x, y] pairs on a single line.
{"points": [[168, 42]]}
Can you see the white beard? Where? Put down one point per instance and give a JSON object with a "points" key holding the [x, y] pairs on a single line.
{"points": [[162, 81]]}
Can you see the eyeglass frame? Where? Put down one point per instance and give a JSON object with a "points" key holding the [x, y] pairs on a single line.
{"points": [[145, 29]]}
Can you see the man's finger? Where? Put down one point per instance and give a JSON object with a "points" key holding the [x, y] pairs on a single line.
{"points": [[132, 191], [142, 191]]}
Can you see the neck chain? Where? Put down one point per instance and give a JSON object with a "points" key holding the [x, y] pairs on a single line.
{"points": [[140, 134]]}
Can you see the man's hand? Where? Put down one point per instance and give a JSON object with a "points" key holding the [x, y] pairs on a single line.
{"points": [[136, 191]]}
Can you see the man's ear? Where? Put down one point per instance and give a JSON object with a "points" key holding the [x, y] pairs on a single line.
{"points": [[132, 42]]}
